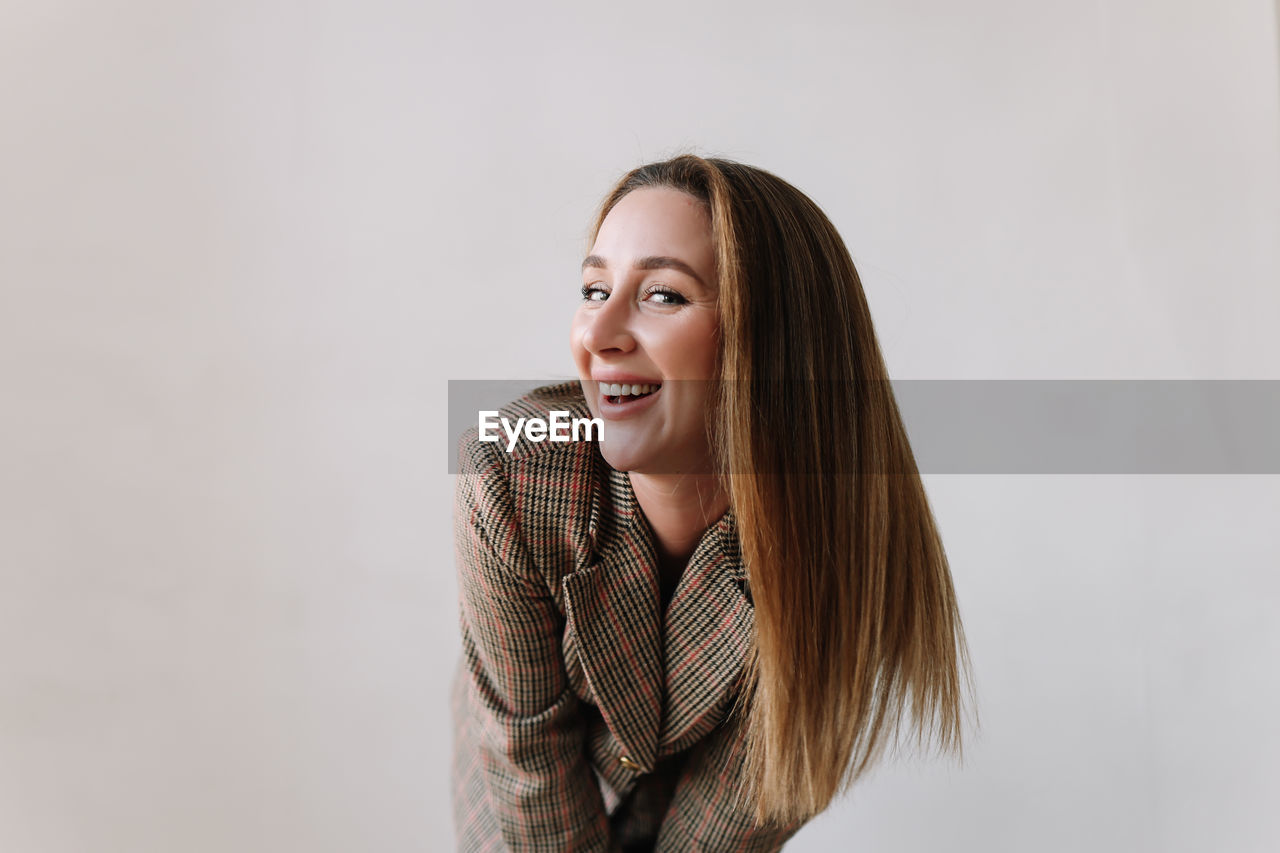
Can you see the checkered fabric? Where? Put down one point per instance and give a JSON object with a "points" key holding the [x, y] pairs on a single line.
{"points": [[585, 717]]}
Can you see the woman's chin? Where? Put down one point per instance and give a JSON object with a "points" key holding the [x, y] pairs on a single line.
{"points": [[624, 458]]}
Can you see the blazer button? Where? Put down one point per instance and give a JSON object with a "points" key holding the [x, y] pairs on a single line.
{"points": [[629, 764]]}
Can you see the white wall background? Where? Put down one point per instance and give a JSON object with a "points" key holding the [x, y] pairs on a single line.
{"points": [[244, 245]]}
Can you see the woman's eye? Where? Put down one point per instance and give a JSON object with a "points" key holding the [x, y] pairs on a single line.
{"points": [[665, 296], [592, 293]]}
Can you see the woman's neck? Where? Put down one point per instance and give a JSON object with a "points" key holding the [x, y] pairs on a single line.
{"points": [[679, 507]]}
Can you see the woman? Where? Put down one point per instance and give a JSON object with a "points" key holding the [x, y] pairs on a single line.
{"points": [[695, 633]]}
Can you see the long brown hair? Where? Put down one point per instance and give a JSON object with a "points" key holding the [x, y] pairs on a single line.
{"points": [[855, 614]]}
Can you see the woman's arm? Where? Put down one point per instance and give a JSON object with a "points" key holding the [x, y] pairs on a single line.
{"points": [[531, 734]]}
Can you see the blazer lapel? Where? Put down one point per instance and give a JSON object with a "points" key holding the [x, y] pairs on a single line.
{"points": [[611, 613], [709, 631], [657, 686]]}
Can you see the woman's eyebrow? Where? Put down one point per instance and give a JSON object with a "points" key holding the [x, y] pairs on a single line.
{"points": [[653, 262]]}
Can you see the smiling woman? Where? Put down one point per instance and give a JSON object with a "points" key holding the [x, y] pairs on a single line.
{"points": [[650, 315], [694, 633]]}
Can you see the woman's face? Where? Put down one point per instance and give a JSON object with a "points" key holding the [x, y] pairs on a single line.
{"points": [[649, 318]]}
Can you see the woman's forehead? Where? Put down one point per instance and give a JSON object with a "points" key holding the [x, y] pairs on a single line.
{"points": [[656, 221]]}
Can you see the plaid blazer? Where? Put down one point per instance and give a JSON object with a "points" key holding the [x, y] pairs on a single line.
{"points": [[585, 718]]}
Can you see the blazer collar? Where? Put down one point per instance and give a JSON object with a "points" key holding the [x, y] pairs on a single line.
{"points": [[658, 687]]}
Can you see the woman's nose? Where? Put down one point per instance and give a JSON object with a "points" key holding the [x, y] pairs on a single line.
{"points": [[609, 328]]}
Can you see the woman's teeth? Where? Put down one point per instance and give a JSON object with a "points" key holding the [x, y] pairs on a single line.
{"points": [[627, 390]]}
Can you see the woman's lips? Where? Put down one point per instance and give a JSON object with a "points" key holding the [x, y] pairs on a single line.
{"points": [[623, 407]]}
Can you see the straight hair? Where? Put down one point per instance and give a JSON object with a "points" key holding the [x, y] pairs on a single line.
{"points": [[856, 618]]}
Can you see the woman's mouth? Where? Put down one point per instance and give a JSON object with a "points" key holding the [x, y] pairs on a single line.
{"points": [[618, 394]]}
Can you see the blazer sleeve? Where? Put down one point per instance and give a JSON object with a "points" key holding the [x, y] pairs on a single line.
{"points": [[532, 737]]}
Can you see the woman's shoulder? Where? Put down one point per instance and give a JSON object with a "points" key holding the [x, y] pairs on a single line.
{"points": [[532, 500], [536, 451], [536, 428]]}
